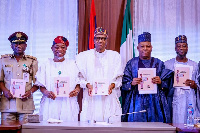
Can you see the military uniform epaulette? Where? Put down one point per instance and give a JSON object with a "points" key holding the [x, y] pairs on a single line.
{"points": [[31, 57], [6, 56]]}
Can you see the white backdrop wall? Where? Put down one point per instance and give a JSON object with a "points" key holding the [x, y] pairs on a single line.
{"points": [[42, 21], [165, 20]]}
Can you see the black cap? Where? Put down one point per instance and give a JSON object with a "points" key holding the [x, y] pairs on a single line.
{"points": [[18, 37]]}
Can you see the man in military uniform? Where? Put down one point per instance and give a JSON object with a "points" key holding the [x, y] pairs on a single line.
{"points": [[15, 67]]}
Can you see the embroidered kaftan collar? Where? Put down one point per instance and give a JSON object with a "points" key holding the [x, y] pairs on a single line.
{"points": [[97, 54], [184, 63]]}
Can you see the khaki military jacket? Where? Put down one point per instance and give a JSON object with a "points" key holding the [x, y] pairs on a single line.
{"points": [[11, 69]]}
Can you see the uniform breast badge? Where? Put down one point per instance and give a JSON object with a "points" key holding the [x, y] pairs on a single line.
{"points": [[26, 72], [59, 72]]}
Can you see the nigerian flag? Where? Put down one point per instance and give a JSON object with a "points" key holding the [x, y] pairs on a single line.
{"points": [[127, 46]]}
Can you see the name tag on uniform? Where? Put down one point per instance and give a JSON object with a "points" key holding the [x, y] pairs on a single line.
{"points": [[8, 65], [26, 77]]}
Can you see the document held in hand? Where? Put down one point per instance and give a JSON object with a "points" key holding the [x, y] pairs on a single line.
{"points": [[17, 87], [146, 86], [181, 74], [62, 86], [100, 87]]}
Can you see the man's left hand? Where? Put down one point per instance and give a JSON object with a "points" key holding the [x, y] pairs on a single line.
{"points": [[26, 95], [111, 87], [191, 83], [74, 93], [156, 80]]}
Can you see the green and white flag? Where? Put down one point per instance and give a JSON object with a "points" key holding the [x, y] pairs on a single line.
{"points": [[127, 46]]}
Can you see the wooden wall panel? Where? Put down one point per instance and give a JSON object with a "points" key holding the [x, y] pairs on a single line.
{"points": [[109, 15]]}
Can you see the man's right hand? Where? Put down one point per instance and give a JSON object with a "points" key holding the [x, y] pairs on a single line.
{"points": [[49, 94], [136, 81], [7, 94], [90, 88]]}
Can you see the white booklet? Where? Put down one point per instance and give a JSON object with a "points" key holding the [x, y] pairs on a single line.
{"points": [[146, 86], [17, 87], [181, 74], [62, 86], [100, 87]]}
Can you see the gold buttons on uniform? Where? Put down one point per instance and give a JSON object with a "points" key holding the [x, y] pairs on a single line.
{"points": [[18, 74]]}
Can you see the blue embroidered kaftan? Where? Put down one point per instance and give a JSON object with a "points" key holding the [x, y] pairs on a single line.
{"points": [[156, 105]]}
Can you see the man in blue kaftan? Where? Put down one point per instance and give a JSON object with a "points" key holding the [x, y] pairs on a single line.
{"points": [[156, 105]]}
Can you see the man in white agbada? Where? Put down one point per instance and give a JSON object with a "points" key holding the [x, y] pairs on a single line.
{"points": [[97, 64], [183, 96], [60, 108]]}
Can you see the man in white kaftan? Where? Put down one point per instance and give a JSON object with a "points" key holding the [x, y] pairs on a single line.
{"points": [[97, 64], [60, 108], [183, 96]]}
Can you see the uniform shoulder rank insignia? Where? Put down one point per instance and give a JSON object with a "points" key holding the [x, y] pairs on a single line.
{"points": [[6, 55], [31, 57]]}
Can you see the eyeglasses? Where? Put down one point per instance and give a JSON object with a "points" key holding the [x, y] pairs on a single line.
{"points": [[100, 38]]}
